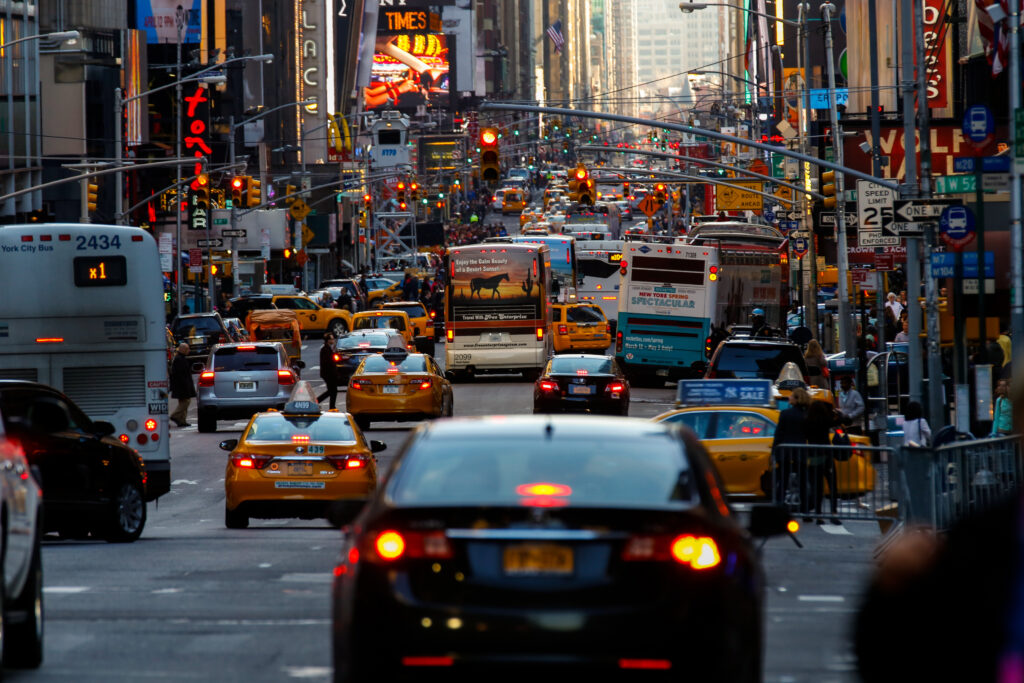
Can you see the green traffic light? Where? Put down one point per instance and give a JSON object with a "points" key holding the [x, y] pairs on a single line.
{"points": [[440, 195], [424, 200]]}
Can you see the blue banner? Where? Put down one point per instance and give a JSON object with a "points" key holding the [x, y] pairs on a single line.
{"points": [[724, 392]]}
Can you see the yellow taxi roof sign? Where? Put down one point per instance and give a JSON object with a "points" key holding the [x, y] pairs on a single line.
{"points": [[302, 399], [725, 392]]}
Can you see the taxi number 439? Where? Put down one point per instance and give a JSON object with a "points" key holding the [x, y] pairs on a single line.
{"points": [[97, 242], [316, 450]]}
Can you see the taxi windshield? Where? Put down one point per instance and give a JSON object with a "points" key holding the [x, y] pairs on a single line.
{"points": [[410, 364], [572, 365], [481, 471], [356, 341], [412, 310], [380, 322], [277, 427]]}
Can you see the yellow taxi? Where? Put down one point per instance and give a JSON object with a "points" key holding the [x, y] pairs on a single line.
{"points": [[422, 323], [579, 327], [552, 195], [382, 318], [735, 420], [296, 462], [398, 386], [513, 201], [314, 318], [381, 289]]}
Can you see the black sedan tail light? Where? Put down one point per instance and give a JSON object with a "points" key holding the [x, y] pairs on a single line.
{"points": [[696, 552]]}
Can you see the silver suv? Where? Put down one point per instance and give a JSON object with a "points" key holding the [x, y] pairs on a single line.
{"points": [[239, 380]]}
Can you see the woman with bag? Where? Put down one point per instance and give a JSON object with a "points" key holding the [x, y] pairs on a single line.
{"points": [[1002, 419], [817, 365], [916, 431]]}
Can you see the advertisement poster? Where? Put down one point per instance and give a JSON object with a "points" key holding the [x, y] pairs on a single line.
{"points": [[495, 288], [159, 19], [411, 67]]}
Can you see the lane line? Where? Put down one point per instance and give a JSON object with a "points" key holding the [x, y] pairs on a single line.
{"points": [[821, 598], [836, 529], [65, 590]]}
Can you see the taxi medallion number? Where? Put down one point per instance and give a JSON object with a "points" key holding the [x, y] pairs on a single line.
{"points": [[531, 560], [316, 450]]}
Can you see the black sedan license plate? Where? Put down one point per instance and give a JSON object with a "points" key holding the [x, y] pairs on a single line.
{"points": [[538, 559]]}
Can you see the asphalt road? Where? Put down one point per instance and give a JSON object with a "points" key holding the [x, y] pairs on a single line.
{"points": [[192, 600]]}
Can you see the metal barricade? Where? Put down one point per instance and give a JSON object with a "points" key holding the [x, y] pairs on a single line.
{"points": [[835, 482], [940, 486]]}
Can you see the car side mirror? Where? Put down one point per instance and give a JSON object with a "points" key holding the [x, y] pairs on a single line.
{"points": [[768, 520], [300, 364], [197, 367], [103, 428], [377, 446], [228, 444]]}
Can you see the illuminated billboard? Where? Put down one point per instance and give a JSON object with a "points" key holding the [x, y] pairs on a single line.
{"points": [[411, 67], [160, 20]]}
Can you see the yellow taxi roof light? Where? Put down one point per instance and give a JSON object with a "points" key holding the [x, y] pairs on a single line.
{"points": [[790, 377]]}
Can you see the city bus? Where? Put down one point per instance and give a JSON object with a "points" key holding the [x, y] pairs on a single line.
{"points": [[562, 255], [82, 311], [598, 261], [497, 311], [667, 300]]}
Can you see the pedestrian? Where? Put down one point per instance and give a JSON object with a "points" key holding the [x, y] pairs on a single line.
{"points": [[817, 365], [820, 466], [758, 326], [893, 305], [851, 404], [329, 370], [1004, 343], [789, 431], [916, 431], [904, 334], [182, 386], [410, 287], [1002, 415]]}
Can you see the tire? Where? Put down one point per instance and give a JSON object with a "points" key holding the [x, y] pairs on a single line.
{"points": [[431, 348], [235, 519], [337, 328], [207, 423], [23, 642], [451, 406], [362, 423], [127, 514]]}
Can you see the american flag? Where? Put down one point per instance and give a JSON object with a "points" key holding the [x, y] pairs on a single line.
{"points": [[555, 34], [995, 33]]}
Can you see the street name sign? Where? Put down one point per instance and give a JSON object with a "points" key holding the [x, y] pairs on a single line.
{"points": [[944, 264], [233, 233], [216, 242], [988, 164]]}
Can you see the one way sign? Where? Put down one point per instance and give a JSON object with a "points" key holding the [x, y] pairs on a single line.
{"points": [[921, 210]]}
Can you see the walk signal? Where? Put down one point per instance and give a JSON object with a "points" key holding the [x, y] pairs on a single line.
{"points": [[255, 195], [828, 188], [490, 164], [237, 187], [92, 192]]}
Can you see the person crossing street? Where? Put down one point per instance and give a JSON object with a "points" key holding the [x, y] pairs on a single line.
{"points": [[182, 386]]}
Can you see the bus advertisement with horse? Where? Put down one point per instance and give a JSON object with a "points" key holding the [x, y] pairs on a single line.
{"points": [[497, 309]]}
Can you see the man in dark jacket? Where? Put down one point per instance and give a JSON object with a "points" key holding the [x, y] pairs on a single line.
{"points": [[182, 386], [790, 430], [329, 370]]}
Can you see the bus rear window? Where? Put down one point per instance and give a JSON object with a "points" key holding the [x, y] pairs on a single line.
{"points": [[234, 358]]}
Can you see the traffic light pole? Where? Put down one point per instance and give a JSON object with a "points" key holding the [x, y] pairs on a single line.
{"points": [[234, 214]]}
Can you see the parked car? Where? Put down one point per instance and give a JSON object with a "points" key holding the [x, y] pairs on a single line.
{"points": [[200, 331]]}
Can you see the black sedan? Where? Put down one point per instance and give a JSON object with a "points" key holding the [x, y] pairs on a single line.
{"points": [[355, 346], [582, 383], [550, 543]]}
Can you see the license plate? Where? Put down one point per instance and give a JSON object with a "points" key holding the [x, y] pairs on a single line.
{"points": [[300, 469], [531, 560], [316, 450], [580, 390], [245, 386], [390, 390], [598, 336]]}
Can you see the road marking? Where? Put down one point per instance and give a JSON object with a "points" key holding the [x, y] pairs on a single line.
{"points": [[821, 598], [67, 590], [184, 481], [836, 530], [308, 671], [264, 565], [307, 577], [166, 591]]}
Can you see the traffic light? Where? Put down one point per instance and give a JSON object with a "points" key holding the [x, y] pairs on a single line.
{"points": [[490, 164], [400, 195], [92, 191], [587, 192], [414, 191], [625, 190], [255, 196], [289, 190], [660, 193], [828, 188], [237, 187], [367, 201]]}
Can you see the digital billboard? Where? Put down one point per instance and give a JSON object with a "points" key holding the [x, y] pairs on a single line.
{"points": [[160, 19], [411, 66]]}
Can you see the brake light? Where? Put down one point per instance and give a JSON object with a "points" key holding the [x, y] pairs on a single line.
{"points": [[300, 438], [337, 357], [285, 377], [359, 384], [615, 387], [250, 461], [428, 661], [582, 372], [563, 329], [206, 378], [540, 333], [246, 348], [390, 545], [698, 552], [548, 385], [450, 334], [646, 664], [123, 438], [346, 462], [150, 424], [49, 340], [426, 384]]}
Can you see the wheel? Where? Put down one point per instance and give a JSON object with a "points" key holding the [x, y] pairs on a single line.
{"points": [[337, 328], [127, 514], [431, 348], [23, 641], [362, 423], [207, 422], [235, 519], [451, 406]]}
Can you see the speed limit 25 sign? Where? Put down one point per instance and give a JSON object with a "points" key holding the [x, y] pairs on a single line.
{"points": [[875, 214]]}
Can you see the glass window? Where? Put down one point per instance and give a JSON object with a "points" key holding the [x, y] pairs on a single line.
{"points": [[277, 427], [584, 314], [190, 326], [697, 422], [742, 426], [234, 358], [305, 304], [377, 363], [475, 470], [356, 341], [412, 310], [377, 322], [749, 362], [285, 303], [569, 365]]}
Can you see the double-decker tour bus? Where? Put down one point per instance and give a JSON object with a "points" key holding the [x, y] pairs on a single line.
{"points": [[667, 298], [562, 262], [598, 261], [82, 310], [496, 309]]}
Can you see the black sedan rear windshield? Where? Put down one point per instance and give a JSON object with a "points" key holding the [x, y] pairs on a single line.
{"points": [[249, 358], [561, 366], [356, 341], [616, 471], [737, 361], [200, 325]]}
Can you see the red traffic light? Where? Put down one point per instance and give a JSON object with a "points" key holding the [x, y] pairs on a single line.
{"points": [[401, 186], [488, 137], [236, 183], [202, 180], [581, 173], [414, 187], [367, 198]]}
